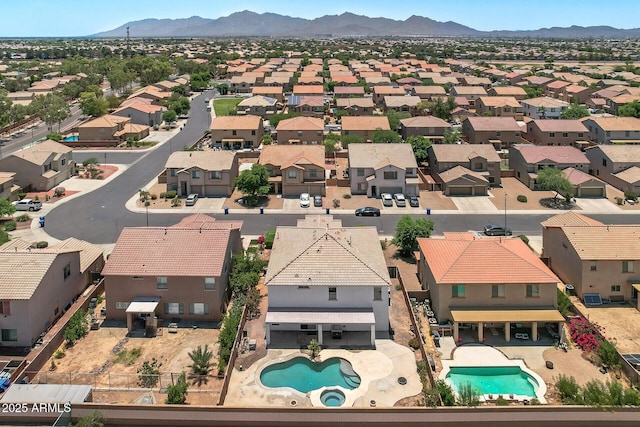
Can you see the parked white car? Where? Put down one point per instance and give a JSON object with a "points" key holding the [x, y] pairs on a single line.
{"points": [[387, 200], [27, 205], [305, 200]]}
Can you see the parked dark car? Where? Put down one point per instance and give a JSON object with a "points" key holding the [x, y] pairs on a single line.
{"points": [[317, 201], [368, 211], [414, 202], [496, 230]]}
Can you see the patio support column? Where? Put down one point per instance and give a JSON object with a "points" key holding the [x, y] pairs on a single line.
{"points": [[373, 335], [268, 333], [561, 330], [480, 331], [507, 331], [129, 322], [456, 331], [534, 331], [320, 333]]}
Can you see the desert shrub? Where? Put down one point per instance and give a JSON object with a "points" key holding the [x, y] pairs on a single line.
{"points": [[77, 327], [468, 396], [149, 373], [564, 304], [128, 357], [22, 195], [23, 218], [177, 393], [176, 202], [9, 226], [383, 245], [163, 195], [346, 196], [59, 353], [154, 196], [42, 244], [619, 200], [522, 198], [414, 343], [608, 354], [269, 237], [501, 401], [524, 238], [631, 195], [170, 194], [568, 388], [446, 393]]}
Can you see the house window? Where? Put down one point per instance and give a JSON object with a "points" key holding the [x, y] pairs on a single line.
{"points": [[195, 174], [594, 266], [47, 167], [173, 172], [552, 134], [377, 293], [497, 133], [5, 308], [63, 162], [627, 133], [533, 291], [497, 291], [313, 173], [391, 175], [216, 175], [9, 335], [138, 278], [161, 283], [615, 288], [67, 271], [333, 294], [293, 174], [299, 133], [360, 172], [477, 166], [173, 308], [199, 308], [303, 287], [234, 133], [209, 283], [306, 327], [565, 135], [627, 266], [604, 162], [580, 134], [253, 133], [457, 291], [121, 305], [361, 186], [608, 133]]}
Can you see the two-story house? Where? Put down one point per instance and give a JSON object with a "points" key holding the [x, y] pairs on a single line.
{"points": [[141, 112], [242, 84], [295, 169], [430, 126], [428, 93], [464, 169], [502, 132], [260, 106], [237, 132], [487, 283], [310, 106], [593, 257], [300, 130], [41, 167], [181, 271], [356, 106], [309, 295], [401, 104], [499, 106], [109, 130], [379, 92], [543, 107], [364, 126], [556, 132], [8, 188], [383, 168], [274, 92], [205, 173], [613, 130], [514, 91], [618, 165], [471, 93], [348, 92]]}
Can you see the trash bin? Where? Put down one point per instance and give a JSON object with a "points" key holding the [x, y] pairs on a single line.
{"points": [[42, 221], [261, 211], [328, 210], [428, 211], [226, 211]]}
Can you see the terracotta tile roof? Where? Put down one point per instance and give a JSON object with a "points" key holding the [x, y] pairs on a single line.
{"points": [[388, 90], [550, 125], [451, 153], [312, 101], [106, 121], [258, 101], [205, 160], [353, 123], [424, 122], [630, 175], [348, 90], [458, 172], [401, 101], [544, 101], [570, 218], [139, 105], [205, 222], [469, 90], [558, 84], [280, 155], [533, 154], [577, 177], [354, 102], [605, 242], [493, 124], [508, 90], [378, 155], [315, 89], [484, 261], [429, 90], [168, 251], [249, 122], [266, 90], [301, 123], [89, 252], [499, 101], [327, 257], [615, 123]]}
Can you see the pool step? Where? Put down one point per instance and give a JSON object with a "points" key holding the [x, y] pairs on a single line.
{"points": [[353, 381]]}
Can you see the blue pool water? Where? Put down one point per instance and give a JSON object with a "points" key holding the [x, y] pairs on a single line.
{"points": [[304, 375], [494, 380], [71, 138]]}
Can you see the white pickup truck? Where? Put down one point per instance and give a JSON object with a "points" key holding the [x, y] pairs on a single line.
{"points": [[27, 205]]}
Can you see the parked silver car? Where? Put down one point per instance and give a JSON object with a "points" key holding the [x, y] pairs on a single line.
{"points": [[27, 205], [387, 199]]}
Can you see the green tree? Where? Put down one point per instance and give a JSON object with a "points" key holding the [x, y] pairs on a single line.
{"points": [[177, 393], [276, 118], [443, 109], [77, 327], [468, 396], [408, 230], [266, 139], [446, 393], [51, 108], [351, 139], [119, 78], [169, 116], [113, 101], [149, 373], [95, 419], [91, 105], [314, 348], [533, 91], [5, 108], [608, 354], [17, 113], [201, 360], [223, 88], [576, 111], [253, 182], [394, 118], [553, 179], [385, 137], [6, 208], [420, 146], [451, 136], [631, 109]]}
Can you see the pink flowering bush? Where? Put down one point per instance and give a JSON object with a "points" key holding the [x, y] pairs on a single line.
{"points": [[585, 334]]}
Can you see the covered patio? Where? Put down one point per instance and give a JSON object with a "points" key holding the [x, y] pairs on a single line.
{"points": [[145, 306], [327, 326], [497, 317]]}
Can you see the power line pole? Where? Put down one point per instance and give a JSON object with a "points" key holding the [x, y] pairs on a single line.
{"points": [[128, 43]]}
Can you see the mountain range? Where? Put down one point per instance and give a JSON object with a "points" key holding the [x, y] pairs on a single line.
{"points": [[251, 24]]}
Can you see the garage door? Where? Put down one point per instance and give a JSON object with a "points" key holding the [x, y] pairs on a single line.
{"points": [[460, 191], [390, 190], [197, 189], [591, 192], [480, 190]]}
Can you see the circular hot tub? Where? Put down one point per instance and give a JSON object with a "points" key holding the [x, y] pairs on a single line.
{"points": [[332, 397]]}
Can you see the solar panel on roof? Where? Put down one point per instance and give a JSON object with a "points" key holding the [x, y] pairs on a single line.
{"points": [[592, 299]]}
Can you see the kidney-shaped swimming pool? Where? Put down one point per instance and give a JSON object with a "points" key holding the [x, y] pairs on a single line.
{"points": [[305, 375]]}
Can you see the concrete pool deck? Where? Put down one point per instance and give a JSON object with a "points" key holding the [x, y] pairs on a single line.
{"points": [[378, 369], [484, 356]]}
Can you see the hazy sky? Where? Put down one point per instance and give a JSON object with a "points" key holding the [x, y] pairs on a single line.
{"points": [[35, 18]]}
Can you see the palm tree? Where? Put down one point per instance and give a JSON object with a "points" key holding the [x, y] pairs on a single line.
{"points": [[201, 358]]}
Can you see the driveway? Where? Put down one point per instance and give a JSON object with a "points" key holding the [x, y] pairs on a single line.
{"points": [[474, 204], [597, 205]]}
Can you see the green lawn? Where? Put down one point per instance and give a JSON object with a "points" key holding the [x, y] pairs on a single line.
{"points": [[222, 107]]}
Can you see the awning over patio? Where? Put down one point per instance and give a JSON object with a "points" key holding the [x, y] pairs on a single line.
{"points": [[350, 317], [517, 316], [143, 305]]}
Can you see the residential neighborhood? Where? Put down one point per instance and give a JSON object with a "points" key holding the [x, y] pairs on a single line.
{"points": [[187, 224]]}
